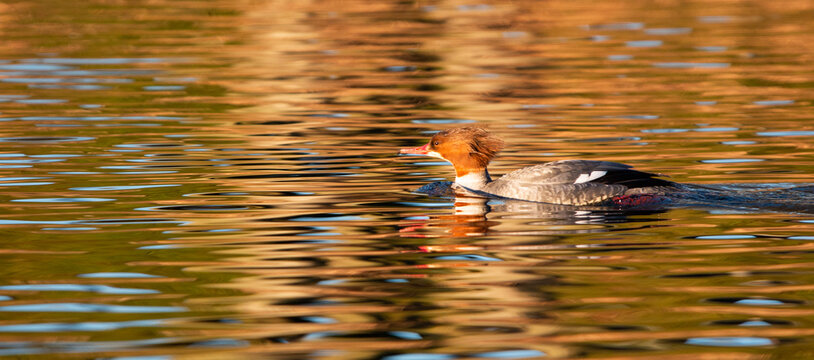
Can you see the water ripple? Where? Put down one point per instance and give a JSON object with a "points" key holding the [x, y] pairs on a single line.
{"points": [[204, 207], [117, 275], [79, 326], [729, 161], [103, 61], [45, 139], [644, 43], [729, 341], [100, 289], [668, 31], [121, 187], [690, 65], [250, 203], [615, 26], [786, 133], [92, 308], [774, 102]]}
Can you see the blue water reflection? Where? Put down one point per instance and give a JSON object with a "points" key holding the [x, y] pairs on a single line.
{"points": [[467, 257], [730, 161], [729, 341], [102, 61], [774, 102], [690, 65], [100, 289], [419, 356], [80, 326], [91, 308], [668, 31], [121, 187], [644, 43], [786, 133], [118, 275], [615, 26], [510, 354]]}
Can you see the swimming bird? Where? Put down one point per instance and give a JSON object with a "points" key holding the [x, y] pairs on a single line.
{"points": [[565, 182]]}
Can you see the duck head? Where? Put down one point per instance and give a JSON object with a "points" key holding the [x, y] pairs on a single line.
{"points": [[469, 149]]}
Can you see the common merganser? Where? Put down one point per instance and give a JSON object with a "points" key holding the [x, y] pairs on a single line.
{"points": [[565, 182]]}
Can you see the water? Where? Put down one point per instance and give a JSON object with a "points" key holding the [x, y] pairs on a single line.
{"points": [[219, 180]]}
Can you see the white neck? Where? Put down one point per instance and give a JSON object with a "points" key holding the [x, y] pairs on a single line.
{"points": [[474, 180]]}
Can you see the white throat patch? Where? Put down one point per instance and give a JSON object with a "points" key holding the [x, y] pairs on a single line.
{"points": [[435, 155], [473, 180]]}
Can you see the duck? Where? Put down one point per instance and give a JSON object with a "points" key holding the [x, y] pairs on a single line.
{"points": [[562, 182]]}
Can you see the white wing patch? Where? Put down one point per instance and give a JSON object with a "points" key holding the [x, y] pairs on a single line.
{"points": [[583, 178]]}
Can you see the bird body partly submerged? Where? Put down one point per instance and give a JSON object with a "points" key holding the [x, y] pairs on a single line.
{"points": [[575, 182], [567, 182]]}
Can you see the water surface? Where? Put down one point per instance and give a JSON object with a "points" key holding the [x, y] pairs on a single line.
{"points": [[220, 180]]}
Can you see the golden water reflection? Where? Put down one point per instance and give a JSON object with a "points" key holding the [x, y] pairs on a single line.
{"points": [[220, 180]]}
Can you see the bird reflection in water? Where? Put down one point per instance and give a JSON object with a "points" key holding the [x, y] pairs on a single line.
{"points": [[474, 216]]}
